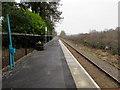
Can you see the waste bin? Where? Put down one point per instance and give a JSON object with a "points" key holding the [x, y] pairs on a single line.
{"points": [[39, 46]]}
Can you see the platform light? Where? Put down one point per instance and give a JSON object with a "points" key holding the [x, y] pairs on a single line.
{"points": [[45, 34]]}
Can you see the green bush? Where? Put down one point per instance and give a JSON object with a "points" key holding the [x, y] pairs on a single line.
{"points": [[36, 23], [85, 42]]}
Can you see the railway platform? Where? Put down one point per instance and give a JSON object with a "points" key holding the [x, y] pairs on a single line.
{"points": [[54, 67]]}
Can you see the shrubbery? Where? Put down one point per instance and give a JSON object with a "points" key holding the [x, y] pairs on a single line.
{"points": [[106, 40]]}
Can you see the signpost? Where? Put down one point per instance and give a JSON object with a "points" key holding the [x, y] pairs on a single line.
{"points": [[11, 49]]}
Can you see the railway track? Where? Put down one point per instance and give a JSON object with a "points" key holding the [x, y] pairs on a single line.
{"points": [[92, 62]]}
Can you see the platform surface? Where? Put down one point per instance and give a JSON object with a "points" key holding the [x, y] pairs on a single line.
{"points": [[44, 69]]}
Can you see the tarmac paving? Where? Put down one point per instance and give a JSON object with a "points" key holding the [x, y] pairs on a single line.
{"points": [[43, 69]]}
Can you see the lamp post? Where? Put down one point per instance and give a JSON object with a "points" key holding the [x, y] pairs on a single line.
{"points": [[11, 49], [46, 34]]}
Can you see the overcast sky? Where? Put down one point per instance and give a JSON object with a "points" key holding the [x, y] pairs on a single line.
{"points": [[81, 16]]}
